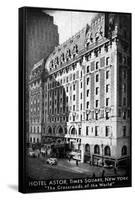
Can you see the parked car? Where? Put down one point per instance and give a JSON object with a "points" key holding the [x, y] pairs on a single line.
{"points": [[33, 153], [108, 165], [52, 161], [100, 163], [43, 150]]}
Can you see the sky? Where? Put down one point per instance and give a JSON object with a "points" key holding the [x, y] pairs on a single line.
{"points": [[69, 23]]}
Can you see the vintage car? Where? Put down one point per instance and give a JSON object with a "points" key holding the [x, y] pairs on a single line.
{"points": [[33, 153], [52, 161]]}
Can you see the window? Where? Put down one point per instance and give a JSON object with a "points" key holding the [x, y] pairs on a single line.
{"points": [[97, 90], [107, 115], [88, 69], [87, 130], [73, 97], [124, 101], [107, 88], [96, 130], [87, 104], [107, 61], [97, 65], [97, 77], [81, 117], [124, 151], [107, 101], [67, 99], [88, 81], [74, 87], [124, 115], [81, 106], [88, 93], [81, 95], [73, 107], [97, 101], [87, 116], [124, 60], [96, 149], [73, 76], [81, 74], [124, 87], [79, 131], [124, 131], [67, 79], [107, 151], [107, 74], [124, 74], [81, 84], [67, 88], [73, 118], [30, 139], [107, 130], [96, 116]]}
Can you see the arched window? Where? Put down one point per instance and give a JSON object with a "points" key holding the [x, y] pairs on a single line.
{"points": [[107, 151], [73, 131], [96, 149], [30, 139], [87, 148], [60, 130], [124, 151], [50, 130]]}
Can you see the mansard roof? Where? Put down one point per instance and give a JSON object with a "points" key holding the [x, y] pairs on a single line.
{"points": [[77, 42]]}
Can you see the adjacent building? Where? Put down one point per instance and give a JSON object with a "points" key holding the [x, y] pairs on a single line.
{"points": [[41, 38], [86, 92]]}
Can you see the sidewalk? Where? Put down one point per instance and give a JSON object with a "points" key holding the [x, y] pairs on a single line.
{"points": [[85, 168]]}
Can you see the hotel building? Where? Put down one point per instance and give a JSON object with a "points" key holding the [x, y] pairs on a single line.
{"points": [[85, 90]]}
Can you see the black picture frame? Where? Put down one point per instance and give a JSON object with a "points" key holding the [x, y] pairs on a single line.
{"points": [[27, 185]]}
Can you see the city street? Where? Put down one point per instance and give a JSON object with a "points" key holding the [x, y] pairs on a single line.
{"points": [[39, 169]]}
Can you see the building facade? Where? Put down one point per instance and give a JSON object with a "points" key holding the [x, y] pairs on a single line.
{"points": [[40, 41], [86, 91], [41, 38]]}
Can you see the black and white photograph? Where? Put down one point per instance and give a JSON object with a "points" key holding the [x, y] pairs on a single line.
{"points": [[76, 87]]}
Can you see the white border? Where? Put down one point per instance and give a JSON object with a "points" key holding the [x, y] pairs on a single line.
{"points": [[9, 98]]}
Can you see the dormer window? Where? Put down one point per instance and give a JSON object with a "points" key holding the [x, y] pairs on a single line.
{"points": [[52, 64], [96, 36], [57, 60], [75, 49], [91, 38], [101, 31], [62, 58]]}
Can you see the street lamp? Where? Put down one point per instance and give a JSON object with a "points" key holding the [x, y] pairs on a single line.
{"points": [[102, 153]]}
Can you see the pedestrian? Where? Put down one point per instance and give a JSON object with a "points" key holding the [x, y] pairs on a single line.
{"points": [[76, 162], [93, 176], [103, 173]]}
